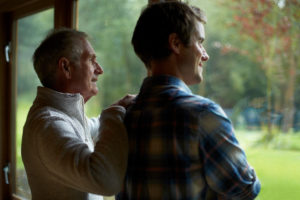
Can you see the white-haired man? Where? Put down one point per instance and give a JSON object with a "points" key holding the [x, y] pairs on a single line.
{"points": [[67, 155]]}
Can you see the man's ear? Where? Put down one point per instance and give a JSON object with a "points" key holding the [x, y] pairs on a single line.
{"points": [[64, 67], [174, 43]]}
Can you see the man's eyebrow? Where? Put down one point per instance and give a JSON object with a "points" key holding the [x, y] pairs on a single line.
{"points": [[92, 56]]}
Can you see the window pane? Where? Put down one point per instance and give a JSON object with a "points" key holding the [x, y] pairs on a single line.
{"points": [[31, 30], [253, 73], [110, 24]]}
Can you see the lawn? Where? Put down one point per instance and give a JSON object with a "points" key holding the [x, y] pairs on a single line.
{"points": [[278, 170]]}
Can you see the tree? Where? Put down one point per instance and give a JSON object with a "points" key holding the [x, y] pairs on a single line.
{"points": [[272, 28]]}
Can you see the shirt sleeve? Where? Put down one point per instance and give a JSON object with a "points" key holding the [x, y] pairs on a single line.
{"points": [[226, 169], [70, 161]]}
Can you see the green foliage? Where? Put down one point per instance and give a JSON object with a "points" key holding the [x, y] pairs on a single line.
{"points": [[27, 79], [28, 40], [22, 111], [111, 32], [287, 141], [229, 74]]}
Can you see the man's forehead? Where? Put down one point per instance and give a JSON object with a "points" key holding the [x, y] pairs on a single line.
{"points": [[88, 49], [200, 31]]}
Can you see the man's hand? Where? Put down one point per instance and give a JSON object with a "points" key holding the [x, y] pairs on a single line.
{"points": [[126, 101]]}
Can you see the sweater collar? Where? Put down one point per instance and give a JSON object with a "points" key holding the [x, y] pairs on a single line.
{"points": [[72, 104]]}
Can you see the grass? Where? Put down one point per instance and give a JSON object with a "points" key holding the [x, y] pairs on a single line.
{"points": [[22, 110], [278, 172], [277, 169]]}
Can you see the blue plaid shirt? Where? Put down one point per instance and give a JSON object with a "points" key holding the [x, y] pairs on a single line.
{"points": [[182, 146]]}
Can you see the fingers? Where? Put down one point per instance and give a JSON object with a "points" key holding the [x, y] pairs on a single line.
{"points": [[126, 101]]}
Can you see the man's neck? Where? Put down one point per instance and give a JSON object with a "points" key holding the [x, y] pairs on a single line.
{"points": [[166, 66]]}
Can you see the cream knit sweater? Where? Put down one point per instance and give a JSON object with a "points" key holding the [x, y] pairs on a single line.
{"points": [[64, 155]]}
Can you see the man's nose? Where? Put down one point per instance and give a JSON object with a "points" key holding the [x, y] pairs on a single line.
{"points": [[99, 69], [205, 56]]}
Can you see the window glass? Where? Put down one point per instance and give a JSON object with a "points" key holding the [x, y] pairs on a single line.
{"points": [[253, 73], [110, 23], [31, 31]]}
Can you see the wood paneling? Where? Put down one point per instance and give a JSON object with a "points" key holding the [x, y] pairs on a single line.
{"points": [[65, 13], [10, 10], [5, 91], [23, 8], [29, 9], [10, 5]]}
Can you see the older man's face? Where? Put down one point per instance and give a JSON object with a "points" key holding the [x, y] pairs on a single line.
{"points": [[85, 75]]}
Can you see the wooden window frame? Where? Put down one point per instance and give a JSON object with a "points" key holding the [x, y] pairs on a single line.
{"points": [[65, 15]]}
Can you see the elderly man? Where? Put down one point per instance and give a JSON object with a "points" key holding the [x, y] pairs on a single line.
{"points": [[67, 155], [181, 145]]}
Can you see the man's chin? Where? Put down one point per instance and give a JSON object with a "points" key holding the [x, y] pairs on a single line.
{"points": [[93, 93]]}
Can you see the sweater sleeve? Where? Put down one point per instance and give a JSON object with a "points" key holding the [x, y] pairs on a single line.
{"points": [[70, 161], [94, 125]]}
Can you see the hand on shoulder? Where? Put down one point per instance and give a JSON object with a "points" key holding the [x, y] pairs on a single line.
{"points": [[126, 101]]}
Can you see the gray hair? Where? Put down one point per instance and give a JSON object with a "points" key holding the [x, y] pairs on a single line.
{"points": [[59, 43]]}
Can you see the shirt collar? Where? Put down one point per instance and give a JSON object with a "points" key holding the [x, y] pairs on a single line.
{"points": [[167, 80]]}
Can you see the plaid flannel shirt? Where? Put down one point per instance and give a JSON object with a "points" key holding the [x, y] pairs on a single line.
{"points": [[182, 146]]}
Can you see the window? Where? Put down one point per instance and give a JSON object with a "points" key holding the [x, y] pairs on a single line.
{"points": [[23, 28], [110, 24], [31, 31], [236, 80], [252, 83]]}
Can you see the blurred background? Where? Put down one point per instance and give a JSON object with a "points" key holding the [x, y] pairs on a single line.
{"points": [[253, 73]]}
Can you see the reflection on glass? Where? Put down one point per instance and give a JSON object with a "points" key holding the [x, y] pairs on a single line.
{"points": [[31, 30]]}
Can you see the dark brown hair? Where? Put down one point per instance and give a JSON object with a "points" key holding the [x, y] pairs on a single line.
{"points": [[157, 22]]}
